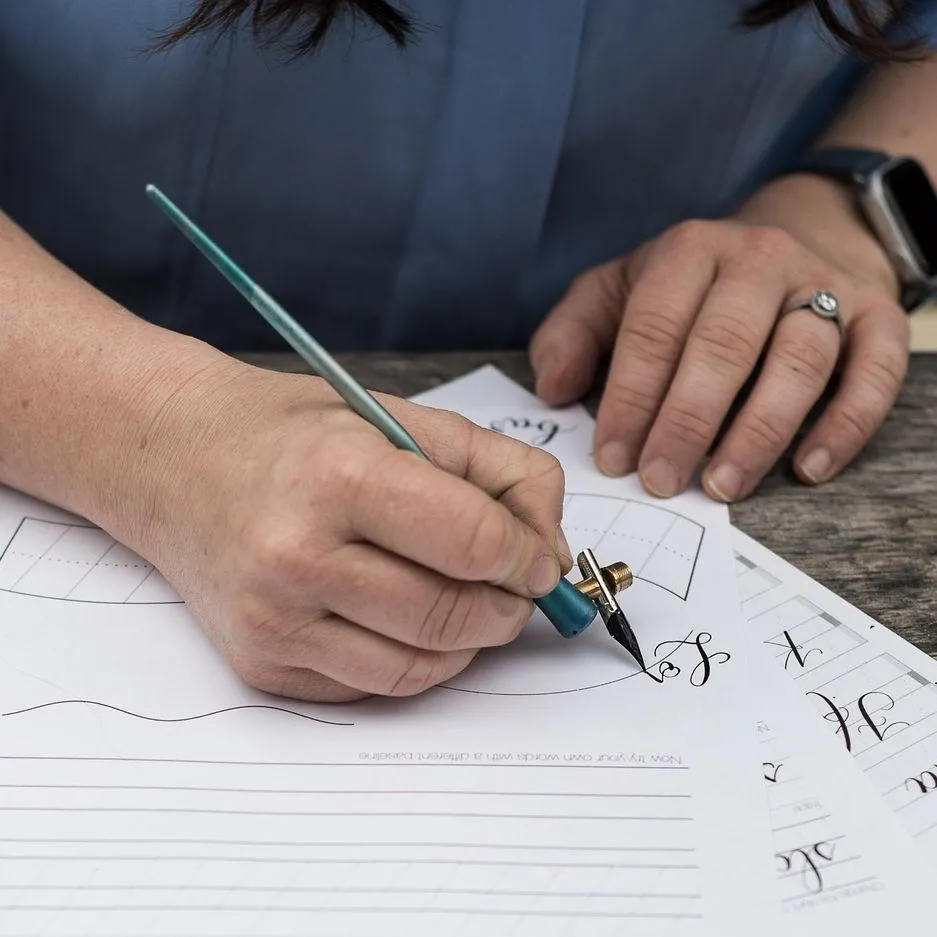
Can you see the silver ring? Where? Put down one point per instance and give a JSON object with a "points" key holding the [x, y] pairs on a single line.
{"points": [[824, 304]]}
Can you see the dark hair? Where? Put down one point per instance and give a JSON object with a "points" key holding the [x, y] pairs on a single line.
{"points": [[272, 19], [859, 25], [856, 24]]}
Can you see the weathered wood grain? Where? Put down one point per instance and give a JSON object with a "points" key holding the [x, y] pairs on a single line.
{"points": [[870, 535]]}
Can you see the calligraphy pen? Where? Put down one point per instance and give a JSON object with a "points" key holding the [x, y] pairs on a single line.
{"points": [[570, 608]]}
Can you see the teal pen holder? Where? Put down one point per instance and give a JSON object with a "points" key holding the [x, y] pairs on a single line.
{"points": [[568, 610]]}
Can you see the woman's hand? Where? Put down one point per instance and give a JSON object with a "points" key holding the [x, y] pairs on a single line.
{"points": [[326, 564], [687, 318]]}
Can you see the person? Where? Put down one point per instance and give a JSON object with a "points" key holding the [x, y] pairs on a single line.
{"points": [[433, 179]]}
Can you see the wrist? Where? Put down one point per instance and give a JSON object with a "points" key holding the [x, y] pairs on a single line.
{"points": [[822, 214], [164, 430], [146, 429]]}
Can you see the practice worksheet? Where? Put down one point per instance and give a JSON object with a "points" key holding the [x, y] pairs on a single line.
{"points": [[876, 692], [552, 789], [842, 863]]}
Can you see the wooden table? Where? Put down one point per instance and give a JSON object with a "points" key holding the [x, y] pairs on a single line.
{"points": [[870, 535]]}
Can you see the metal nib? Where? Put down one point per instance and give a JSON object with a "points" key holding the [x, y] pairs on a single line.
{"points": [[620, 630]]}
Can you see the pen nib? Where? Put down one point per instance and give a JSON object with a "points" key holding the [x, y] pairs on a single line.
{"points": [[620, 630]]}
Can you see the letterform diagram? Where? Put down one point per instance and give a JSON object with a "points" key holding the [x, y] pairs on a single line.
{"points": [[660, 546], [78, 563]]}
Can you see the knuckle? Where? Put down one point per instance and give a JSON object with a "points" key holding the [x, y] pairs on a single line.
{"points": [[806, 357], [687, 425], [252, 671], [768, 242], [338, 473], [854, 423], [449, 621], [547, 468], [547, 475], [417, 672], [728, 340], [884, 374], [690, 235], [655, 335], [273, 549], [489, 541], [623, 400], [763, 434]]}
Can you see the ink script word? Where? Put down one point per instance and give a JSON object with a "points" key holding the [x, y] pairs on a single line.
{"points": [[871, 716], [811, 860], [535, 433], [689, 650]]}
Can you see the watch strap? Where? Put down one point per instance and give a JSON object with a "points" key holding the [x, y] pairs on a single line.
{"points": [[842, 162]]}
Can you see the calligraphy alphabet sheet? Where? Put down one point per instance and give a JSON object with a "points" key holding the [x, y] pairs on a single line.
{"points": [[876, 692]]}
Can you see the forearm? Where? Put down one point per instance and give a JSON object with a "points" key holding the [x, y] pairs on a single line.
{"points": [[85, 388], [892, 111]]}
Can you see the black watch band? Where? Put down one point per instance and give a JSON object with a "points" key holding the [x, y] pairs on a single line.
{"points": [[842, 162], [894, 212]]}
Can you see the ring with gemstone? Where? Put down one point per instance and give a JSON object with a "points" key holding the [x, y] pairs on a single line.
{"points": [[824, 304]]}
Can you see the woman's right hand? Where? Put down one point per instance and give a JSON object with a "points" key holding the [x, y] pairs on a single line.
{"points": [[324, 563]]}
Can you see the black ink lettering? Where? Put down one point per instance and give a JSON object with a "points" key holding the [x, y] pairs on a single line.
{"points": [[811, 858], [546, 429], [925, 783], [882, 728], [794, 650], [665, 671], [837, 715], [703, 670], [771, 771]]}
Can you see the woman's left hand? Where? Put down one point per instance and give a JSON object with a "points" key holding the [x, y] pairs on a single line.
{"points": [[687, 318]]}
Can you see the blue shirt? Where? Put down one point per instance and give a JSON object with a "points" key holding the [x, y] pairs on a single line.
{"points": [[439, 197]]}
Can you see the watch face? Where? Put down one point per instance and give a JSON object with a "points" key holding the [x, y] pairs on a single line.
{"points": [[912, 197]]}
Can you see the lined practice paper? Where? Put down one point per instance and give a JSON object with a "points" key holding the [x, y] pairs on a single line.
{"points": [[553, 788], [175, 845]]}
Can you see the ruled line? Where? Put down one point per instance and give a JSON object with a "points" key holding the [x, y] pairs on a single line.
{"points": [[300, 889], [332, 791], [422, 910], [394, 860], [348, 764], [370, 814], [336, 844]]}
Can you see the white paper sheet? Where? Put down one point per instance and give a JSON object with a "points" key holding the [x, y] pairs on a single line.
{"points": [[875, 692], [552, 789], [841, 862]]}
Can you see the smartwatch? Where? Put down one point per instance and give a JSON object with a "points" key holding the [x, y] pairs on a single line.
{"points": [[897, 199]]}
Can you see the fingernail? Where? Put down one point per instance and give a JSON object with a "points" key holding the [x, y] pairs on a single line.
{"points": [[562, 546], [614, 459], [661, 478], [724, 482], [816, 466], [544, 575]]}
